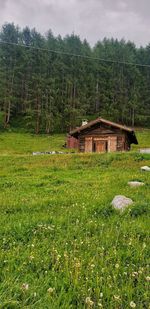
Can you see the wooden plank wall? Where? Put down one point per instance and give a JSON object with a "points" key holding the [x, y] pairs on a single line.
{"points": [[72, 142], [120, 144]]}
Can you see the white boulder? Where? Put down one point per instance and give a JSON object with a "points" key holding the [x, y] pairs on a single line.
{"points": [[145, 168], [121, 202], [145, 150], [135, 183]]}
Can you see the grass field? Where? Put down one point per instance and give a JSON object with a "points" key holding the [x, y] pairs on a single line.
{"points": [[62, 244]]}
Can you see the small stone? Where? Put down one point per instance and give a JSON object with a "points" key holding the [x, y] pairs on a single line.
{"points": [[145, 150], [145, 168], [121, 202], [135, 183]]}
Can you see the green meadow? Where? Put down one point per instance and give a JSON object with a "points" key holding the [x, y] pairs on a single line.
{"points": [[62, 244]]}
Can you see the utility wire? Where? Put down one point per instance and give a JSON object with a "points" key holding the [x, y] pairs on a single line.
{"points": [[76, 55]]}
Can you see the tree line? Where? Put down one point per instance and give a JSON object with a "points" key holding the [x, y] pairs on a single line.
{"points": [[44, 92]]}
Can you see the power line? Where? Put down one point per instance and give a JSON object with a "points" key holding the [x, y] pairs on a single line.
{"points": [[76, 55]]}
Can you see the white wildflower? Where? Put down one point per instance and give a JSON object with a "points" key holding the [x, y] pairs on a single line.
{"points": [[50, 290], [116, 297], [132, 304], [89, 302], [134, 274], [25, 286], [92, 265], [144, 245]]}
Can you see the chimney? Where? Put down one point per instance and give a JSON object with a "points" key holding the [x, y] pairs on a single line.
{"points": [[84, 122]]}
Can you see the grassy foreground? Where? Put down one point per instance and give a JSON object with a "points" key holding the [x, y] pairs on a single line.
{"points": [[62, 244]]}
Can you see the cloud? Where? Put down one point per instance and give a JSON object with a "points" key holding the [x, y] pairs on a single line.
{"points": [[3, 4], [91, 19]]}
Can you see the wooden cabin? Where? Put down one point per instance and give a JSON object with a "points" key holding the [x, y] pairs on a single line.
{"points": [[101, 136]]}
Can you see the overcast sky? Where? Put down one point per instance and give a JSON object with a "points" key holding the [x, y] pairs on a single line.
{"points": [[91, 19]]}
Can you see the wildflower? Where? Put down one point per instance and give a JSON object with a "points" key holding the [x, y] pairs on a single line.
{"points": [[141, 269], [101, 294], [25, 286], [147, 278], [34, 294], [89, 302], [50, 290], [134, 274], [65, 255], [58, 257], [116, 297], [100, 305], [132, 304], [130, 242], [77, 264], [117, 266], [140, 272]]}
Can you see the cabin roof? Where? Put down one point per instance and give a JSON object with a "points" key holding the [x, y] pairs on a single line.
{"points": [[130, 131]]}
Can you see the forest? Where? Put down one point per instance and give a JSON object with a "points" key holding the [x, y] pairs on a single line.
{"points": [[48, 84]]}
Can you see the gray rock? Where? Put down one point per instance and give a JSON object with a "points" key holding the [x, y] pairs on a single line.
{"points": [[121, 202], [135, 183], [50, 153], [145, 168], [145, 150], [37, 153]]}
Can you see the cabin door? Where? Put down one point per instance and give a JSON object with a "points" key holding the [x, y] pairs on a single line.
{"points": [[88, 144], [100, 146]]}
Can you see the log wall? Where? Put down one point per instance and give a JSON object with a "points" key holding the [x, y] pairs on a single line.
{"points": [[116, 139], [72, 142]]}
